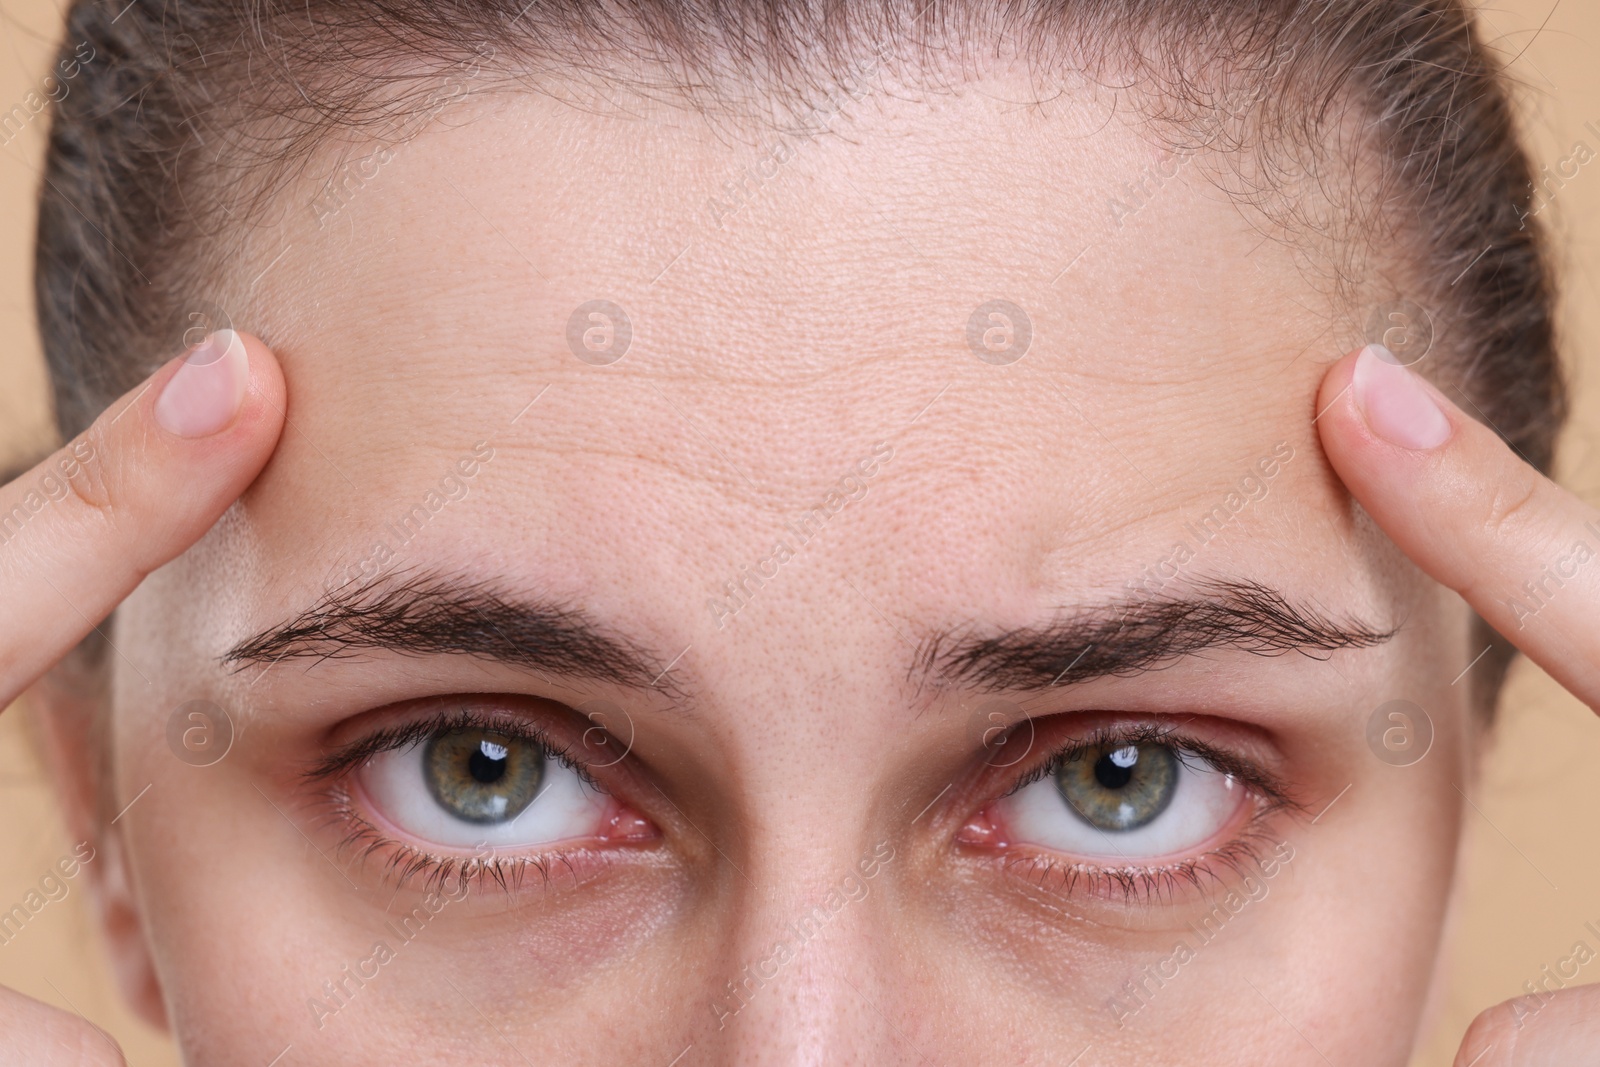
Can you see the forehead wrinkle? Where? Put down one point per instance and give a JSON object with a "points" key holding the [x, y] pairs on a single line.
{"points": [[1084, 331]]}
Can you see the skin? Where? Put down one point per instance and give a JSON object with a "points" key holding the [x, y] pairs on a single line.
{"points": [[791, 739]]}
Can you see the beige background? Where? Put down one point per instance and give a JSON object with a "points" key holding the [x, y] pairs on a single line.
{"points": [[1533, 868]]}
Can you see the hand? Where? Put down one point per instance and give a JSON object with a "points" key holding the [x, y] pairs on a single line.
{"points": [[1522, 551], [82, 529]]}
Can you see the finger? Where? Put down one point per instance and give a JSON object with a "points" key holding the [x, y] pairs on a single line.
{"points": [[33, 1034], [1524, 552], [154, 472], [1555, 1029]]}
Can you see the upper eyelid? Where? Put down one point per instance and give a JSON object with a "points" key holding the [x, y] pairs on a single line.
{"points": [[1271, 785], [387, 739]]}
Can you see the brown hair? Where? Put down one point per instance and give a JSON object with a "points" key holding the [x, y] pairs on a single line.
{"points": [[176, 133]]}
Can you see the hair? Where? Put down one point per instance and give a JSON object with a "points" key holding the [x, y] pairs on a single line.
{"points": [[188, 116]]}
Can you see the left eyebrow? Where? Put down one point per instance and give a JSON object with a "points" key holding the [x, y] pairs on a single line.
{"points": [[1130, 636], [430, 615]]}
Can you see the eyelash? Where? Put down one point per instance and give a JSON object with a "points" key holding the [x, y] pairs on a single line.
{"points": [[404, 863], [1157, 885], [1143, 885]]}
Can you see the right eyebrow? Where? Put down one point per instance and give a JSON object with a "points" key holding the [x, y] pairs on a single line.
{"points": [[1129, 636], [426, 615]]}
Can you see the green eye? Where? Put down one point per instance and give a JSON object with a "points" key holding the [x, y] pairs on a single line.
{"points": [[1119, 787], [483, 777]]}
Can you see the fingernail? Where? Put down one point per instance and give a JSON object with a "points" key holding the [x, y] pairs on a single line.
{"points": [[1394, 402], [205, 394]]}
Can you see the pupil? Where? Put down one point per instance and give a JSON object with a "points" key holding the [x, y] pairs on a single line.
{"points": [[1111, 774], [485, 768]]}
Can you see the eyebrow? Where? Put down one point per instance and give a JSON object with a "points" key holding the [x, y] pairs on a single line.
{"points": [[1130, 636], [428, 615], [433, 615]]}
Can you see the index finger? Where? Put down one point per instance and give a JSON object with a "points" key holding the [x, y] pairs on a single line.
{"points": [[1469, 511], [82, 529]]}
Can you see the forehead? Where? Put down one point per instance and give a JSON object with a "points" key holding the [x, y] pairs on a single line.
{"points": [[784, 308]]}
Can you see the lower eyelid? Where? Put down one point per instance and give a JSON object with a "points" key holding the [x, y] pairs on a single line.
{"points": [[1247, 849], [364, 845], [1173, 884]]}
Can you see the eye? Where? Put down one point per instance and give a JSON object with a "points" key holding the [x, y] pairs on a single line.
{"points": [[467, 786], [1124, 800]]}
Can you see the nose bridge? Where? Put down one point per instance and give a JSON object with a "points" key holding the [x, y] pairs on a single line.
{"points": [[813, 981], [810, 953]]}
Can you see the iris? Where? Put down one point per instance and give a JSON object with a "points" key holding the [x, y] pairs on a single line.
{"points": [[482, 777], [1119, 787]]}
